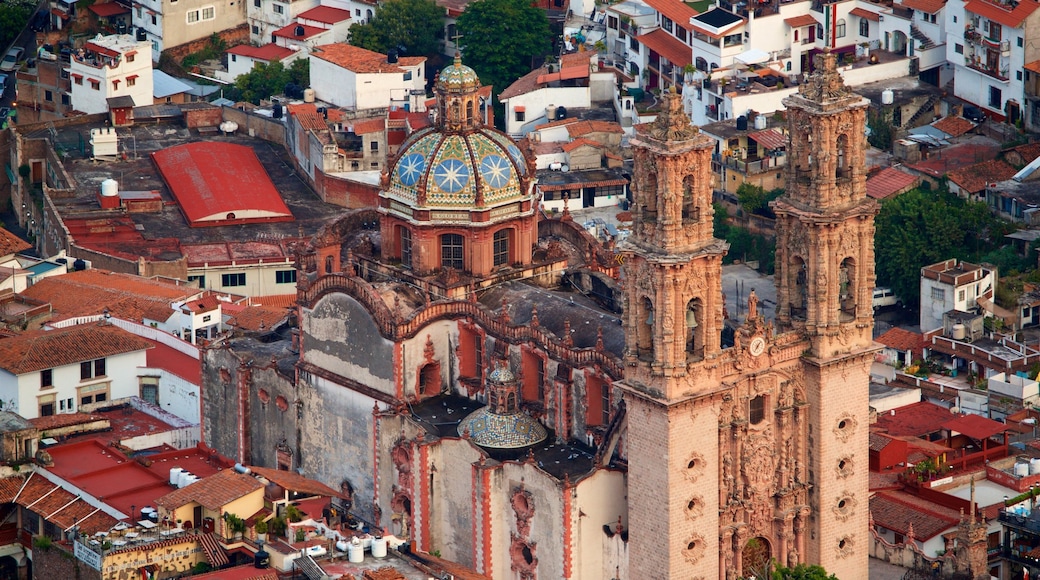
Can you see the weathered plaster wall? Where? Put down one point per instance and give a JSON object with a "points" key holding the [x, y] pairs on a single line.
{"points": [[545, 532], [340, 336], [601, 498], [451, 505]]}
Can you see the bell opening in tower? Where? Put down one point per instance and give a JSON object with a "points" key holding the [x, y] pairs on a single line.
{"points": [[847, 289], [694, 330], [799, 289], [645, 332]]}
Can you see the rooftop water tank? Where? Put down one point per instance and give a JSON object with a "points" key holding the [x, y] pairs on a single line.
{"points": [[261, 559], [175, 473], [959, 332], [182, 480], [355, 552], [1034, 466], [379, 547], [308, 95], [760, 122], [1021, 469], [742, 123], [887, 97], [109, 188]]}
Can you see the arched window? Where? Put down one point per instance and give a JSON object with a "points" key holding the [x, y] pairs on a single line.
{"points": [[799, 285], [406, 247], [839, 28], [451, 251], [757, 410], [847, 288], [645, 333], [328, 264], [694, 333], [842, 168], [690, 212], [701, 64], [501, 247], [469, 111]]}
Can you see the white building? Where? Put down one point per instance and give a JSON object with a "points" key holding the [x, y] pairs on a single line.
{"points": [[354, 78], [111, 66], [242, 58], [575, 82], [988, 46], [175, 22], [47, 372], [267, 16], [953, 285]]}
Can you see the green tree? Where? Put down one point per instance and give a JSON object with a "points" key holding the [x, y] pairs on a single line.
{"points": [[755, 199], [13, 18], [881, 130], [269, 79], [503, 39], [413, 27], [802, 572], [919, 228]]}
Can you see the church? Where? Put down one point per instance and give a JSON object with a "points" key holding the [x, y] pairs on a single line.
{"points": [[500, 390]]}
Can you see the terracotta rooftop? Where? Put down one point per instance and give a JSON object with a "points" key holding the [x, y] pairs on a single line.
{"points": [[667, 45], [43, 349], [325, 14], [897, 511], [929, 6], [1026, 153], [800, 21], [864, 13], [579, 142], [889, 182], [769, 138], [291, 30], [366, 126], [268, 52], [582, 128], [246, 572], [280, 300], [916, 420], [523, 85], [901, 339], [974, 178], [11, 244], [878, 441], [292, 481], [675, 10], [975, 426], [307, 116], [1001, 13], [62, 507], [955, 156], [64, 420], [360, 60], [954, 126], [258, 317], [212, 492], [1033, 66]]}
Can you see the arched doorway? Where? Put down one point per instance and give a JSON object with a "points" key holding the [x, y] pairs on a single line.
{"points": [[755, 558], [8, 568], [899, 42]]}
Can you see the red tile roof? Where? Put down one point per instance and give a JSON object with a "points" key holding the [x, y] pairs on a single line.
{"points": [[769, 138], [9, 487], [579, 142], [108, 9], [878, 441], [901, 339], [360, 60], [258, 317], [667, 46], [864, 13], [307, 116], [915, 420], [64, 420], [245, 572], [295, 482], [366, 126], [975, 426], [268, 52], [929, 6], [212, 492], [675, 10], [1001, 14], [974, 178], [897, 511], [174, 361], [326, 14], [522, 85], [44, 349], [1033, 66], [954, 126], [582, 128], [11, 244], [801, 21], [888, 182], [291, 30], [220, 183], [1026, 153], [90, 292], [281, 300]]}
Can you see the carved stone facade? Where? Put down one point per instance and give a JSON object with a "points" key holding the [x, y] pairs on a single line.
{"points": [[775, 422]]}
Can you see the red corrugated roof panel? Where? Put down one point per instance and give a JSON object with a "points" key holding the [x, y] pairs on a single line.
{"points": [[268, 52], [1012, 18], [108, 9], [667, 46], [220, 183], [326, 14]]}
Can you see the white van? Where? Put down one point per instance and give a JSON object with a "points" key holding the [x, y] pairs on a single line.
{"points": [[885, 297]]}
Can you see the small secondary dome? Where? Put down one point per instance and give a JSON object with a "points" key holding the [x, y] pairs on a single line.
{"points": [[501, 425], [458, 77]]}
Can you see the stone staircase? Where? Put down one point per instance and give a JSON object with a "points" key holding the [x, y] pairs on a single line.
{"points": [[928, 108], [924, 42]]}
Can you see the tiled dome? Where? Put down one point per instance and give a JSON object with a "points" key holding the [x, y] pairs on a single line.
{"points": [[509, 431], [501, 375], [458, 77], [450, 167]]}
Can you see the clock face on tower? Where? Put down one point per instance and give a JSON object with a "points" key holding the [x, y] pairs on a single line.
{"points": [[757, 346]]}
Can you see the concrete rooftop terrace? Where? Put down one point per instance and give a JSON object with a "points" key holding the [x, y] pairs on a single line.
{"points": [[139, 173]]}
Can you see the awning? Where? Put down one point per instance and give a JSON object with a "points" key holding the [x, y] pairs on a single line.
{"points": [[753, 56], [108, 9], [975, 426], [520, 109], [131, 77], [801, 21], [769, 138], [864, 13]]}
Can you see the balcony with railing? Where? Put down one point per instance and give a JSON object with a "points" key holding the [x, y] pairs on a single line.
{"points": [[751, 166]]}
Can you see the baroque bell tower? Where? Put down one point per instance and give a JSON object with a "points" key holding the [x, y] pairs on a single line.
{"points": [[672, 276], [825, 277]]}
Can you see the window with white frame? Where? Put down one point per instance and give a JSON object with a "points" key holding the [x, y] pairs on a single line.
{"points": [[209, 13], [278, 8], [839, 29], [193, 16], [938, 293]]}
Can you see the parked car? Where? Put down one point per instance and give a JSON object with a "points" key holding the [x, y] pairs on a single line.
{"points": [[973, 114], [11, 59], [885, 297]]}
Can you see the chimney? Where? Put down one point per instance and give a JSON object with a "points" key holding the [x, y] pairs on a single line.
{"points": [[391, 56]]}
